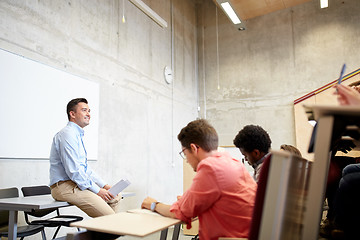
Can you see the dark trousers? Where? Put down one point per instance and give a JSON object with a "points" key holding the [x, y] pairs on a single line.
{"points": [[347, 202]]}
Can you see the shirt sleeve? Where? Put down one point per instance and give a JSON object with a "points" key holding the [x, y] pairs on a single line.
{"points": [[95, 177], [201, 195], [75, 168]]}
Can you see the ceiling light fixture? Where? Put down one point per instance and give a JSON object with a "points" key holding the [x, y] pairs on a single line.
{"points": [[324, 3], [230, 12]]}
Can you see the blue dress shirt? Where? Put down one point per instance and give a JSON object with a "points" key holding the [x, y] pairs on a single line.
{"points": [[68, 160]]}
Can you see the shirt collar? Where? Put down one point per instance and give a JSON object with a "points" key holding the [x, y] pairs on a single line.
{"points": [[77, 127], [255, 165]]}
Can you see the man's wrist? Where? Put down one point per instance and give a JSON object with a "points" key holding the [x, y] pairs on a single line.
{"points": [[95, 189], [153, 206]]}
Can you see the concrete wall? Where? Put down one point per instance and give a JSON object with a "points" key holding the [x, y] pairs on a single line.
{"points": [[140, 115], [278, 58]]}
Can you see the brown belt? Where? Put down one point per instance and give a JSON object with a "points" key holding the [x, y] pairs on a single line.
{"points": [[58, 183]]}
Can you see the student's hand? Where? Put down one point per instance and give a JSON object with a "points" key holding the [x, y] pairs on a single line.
{"points": [[105, 194], [347, 95], [147, 203], [161, 208], [107, 187]]}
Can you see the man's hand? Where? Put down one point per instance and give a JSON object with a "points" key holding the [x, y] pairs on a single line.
{"points": [[161, 208], [105, 194], [107, 187], [147, 202]]}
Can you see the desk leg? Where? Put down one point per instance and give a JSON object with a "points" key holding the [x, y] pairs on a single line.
{"points": [[176, 232], [163, 234], [13, 217], [318, 177]]}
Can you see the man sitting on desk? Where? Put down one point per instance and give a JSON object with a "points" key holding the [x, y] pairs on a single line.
{"points": [[222, 193], [71, 178]]}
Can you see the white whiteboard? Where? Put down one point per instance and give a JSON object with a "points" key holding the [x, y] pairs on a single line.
{"points": [[33, 99]]}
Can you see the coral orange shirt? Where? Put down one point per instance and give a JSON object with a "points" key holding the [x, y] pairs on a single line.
{"points": [[222, 195]]}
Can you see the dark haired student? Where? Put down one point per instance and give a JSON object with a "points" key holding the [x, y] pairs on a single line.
{"points": [[254, 143]]}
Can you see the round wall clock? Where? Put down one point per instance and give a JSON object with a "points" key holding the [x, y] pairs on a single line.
{"points": [[168, 75]]}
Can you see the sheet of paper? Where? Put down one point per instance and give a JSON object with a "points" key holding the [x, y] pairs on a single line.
{"points": [[143, 211], [119, 186]]}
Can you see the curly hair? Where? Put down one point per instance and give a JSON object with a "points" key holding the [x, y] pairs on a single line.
{"points": [[253, 137], [201, 133]]}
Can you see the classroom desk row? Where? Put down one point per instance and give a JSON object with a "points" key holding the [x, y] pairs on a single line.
{"points": [[137, 223]]}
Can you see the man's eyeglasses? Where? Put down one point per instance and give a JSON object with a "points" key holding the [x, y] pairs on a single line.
{"points": [[182, 154]]}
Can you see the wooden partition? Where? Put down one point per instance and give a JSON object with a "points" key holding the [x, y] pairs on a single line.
{"points": [[323, 95]]}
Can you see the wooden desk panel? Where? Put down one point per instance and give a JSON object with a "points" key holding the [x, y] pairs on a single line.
{"points": [[128, 223]]}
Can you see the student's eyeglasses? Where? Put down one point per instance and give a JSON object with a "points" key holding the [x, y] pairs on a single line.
{"points": [[182, 154]]}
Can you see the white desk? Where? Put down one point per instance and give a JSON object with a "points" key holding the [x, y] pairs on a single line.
{"points": [[325, 116], [33, 203], [135, 223], [26, 204]]}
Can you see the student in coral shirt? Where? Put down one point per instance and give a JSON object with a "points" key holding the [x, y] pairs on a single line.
{"points": [[222, 193]]}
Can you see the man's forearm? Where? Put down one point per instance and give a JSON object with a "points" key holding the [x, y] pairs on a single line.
{"points": [[164, 210], [161, 208]]}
